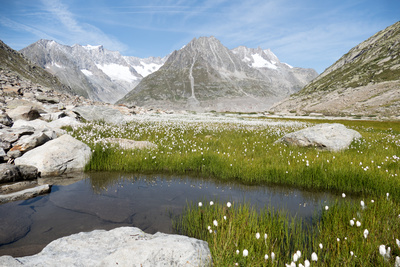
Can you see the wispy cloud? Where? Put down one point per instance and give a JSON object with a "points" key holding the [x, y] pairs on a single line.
{"points": [[68, 28], [309, 33], [6, 22]]}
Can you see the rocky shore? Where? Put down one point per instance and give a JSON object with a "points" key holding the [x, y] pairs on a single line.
{"points": [[32, 142], [35, 150]]}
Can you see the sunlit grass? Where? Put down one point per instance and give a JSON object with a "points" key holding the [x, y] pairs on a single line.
{"points": [[272, 234], [246, 151]]}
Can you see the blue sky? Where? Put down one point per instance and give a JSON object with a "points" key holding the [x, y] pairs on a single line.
{"points": [[309, 33]]}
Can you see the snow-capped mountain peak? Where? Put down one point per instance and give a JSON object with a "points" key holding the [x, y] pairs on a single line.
{"points": [[91, 70]]}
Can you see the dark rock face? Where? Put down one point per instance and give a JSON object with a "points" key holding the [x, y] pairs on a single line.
{"points": [[12, 173]]}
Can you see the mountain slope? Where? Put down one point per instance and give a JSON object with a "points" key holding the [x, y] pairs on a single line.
{"points": [[16, 62], [366, 80], [283, 76], [91, 71], [205, 75]]}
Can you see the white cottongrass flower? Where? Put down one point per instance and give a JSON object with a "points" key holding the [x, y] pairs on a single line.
{"points": [[292, 264], [358, 224], [295, 257], [237, 251], [362, 204], [210, 230], [307, 263], [343, 195], [398, 242], [265, 236], [200, 204], [384, 252], [366, 232], [211, 203], [321, 246], [351, 222], [387, 196], [301, 265], [209, 227], [298, 253], [258, 235], [338, 239], [215, 222], [228, 204], [397, 262], [245, 253], [351, 253], [266, 257], [326, 207], [272, 256], [225, 218], [314, 256]]}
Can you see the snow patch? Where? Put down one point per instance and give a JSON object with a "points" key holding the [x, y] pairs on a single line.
{"points": [[91, 47], [145, 69], [260, 62], [288, 65], [87, 72], [117, 72], [54, 64]]}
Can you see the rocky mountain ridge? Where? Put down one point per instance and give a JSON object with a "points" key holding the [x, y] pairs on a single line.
{"points": [[92, 71], [19, 67], [205, 75], [365, 81]]}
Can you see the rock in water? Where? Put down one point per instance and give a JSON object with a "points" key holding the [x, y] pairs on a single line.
{"points": [[125, 246], [25, 194], [62, 155], [333, 137]]}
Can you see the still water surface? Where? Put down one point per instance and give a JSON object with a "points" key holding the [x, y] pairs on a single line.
{"points": [[109, 200]]}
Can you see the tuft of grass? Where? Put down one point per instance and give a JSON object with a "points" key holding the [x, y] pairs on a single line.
{"points": [[330, 235]]}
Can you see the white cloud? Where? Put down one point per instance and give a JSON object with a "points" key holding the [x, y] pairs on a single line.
{"points": [[68, 28], [6, 22]]}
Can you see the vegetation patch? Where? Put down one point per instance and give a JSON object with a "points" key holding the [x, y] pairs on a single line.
{"points": [[244, 149]]}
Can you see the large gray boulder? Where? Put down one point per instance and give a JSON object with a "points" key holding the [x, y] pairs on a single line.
{"points": [[24, 113], [327, 136], [62, 155], [125, 246]]}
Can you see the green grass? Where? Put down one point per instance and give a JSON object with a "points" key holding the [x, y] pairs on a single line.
{"points": [[247, 152], [330, 235]]}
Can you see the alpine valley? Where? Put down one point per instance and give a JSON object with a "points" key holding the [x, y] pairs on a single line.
{"points": [[203, 75]]}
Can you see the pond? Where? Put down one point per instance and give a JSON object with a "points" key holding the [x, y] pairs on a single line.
{"points": [[108, 200]]}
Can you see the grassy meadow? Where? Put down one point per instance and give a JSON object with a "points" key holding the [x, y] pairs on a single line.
{"points": [[244, 149]]}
